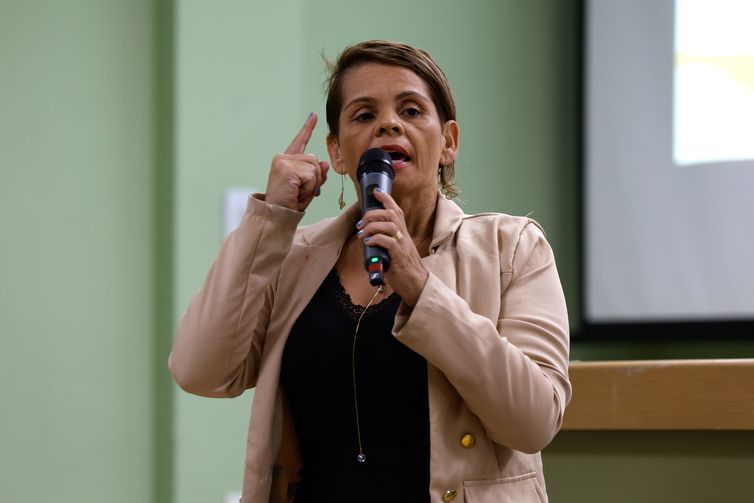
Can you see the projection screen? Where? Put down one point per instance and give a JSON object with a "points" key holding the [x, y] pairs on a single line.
{"points": [[669, 161]]}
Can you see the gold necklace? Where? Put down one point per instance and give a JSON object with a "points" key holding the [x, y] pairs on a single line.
{"points": [[360, 457]]}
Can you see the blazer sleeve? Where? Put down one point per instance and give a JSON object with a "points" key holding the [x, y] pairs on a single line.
{"points": [[218, 347], [513, 374]]}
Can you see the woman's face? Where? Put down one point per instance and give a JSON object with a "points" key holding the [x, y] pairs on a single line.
{"points": [[390, 107]]}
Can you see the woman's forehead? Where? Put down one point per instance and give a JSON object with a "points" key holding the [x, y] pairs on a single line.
{"points": [[371, 80]]}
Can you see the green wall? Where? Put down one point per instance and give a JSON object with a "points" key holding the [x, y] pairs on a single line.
{"points": [[76, 251], [121, 123], [652, 467], [237, 96]]}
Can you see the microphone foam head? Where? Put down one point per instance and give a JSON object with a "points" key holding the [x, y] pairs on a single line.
{"points": [[375, 159]]}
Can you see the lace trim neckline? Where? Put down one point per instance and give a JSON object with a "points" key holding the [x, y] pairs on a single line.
{"points": [[343, 301]]}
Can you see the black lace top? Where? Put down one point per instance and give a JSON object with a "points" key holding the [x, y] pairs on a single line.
{"points": [[391, 381]]}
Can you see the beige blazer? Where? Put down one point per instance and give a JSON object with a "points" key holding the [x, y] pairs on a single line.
{"points": [[491, 323]]}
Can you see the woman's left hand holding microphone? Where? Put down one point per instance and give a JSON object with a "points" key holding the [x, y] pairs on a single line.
{"points": [[387, 228]]}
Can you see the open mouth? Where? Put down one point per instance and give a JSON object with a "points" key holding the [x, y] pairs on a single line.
{"points": [[399, 156], [397, 153]]}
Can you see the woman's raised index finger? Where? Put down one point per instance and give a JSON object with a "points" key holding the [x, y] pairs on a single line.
{"points": [[298, 145]]}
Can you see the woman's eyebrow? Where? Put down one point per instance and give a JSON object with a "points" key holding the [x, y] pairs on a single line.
{"points": [[360, 100], [368, 100], [410, 94]]}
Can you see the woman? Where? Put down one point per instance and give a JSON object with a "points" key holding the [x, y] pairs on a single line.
{"points": [[442, 386]]}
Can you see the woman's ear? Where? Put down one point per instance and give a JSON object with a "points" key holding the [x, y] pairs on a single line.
{"points": [[333, 149], [450, 134]]}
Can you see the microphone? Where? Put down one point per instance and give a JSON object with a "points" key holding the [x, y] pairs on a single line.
{"points": [[375, 170]]}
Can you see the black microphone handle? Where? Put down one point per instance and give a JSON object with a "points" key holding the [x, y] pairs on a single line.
{"points": [[376, 258], [375, 171]]}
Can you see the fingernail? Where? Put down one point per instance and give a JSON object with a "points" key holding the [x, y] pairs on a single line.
{"points": [[359, 223], [366, 240], [309, 116], [377, 189], [316, 192], [360, 233]]}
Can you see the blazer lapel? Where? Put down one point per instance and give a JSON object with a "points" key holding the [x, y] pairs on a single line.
{"points": [[314, 253]]}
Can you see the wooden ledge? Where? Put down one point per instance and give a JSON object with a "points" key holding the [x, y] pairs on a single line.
{"points": [[662, 395]]}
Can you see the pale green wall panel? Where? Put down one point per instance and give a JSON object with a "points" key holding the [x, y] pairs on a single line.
{"points": [[75, 259], [237, 93], [650, 467]]}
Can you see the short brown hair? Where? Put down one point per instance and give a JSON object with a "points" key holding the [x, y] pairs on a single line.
{"points": [[396, 54]]}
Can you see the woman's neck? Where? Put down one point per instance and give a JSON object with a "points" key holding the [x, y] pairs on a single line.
{"points": [[419, 216]]}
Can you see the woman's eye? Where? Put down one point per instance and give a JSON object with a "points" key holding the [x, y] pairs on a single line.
{"points": [[412, 112], [364, 117]]}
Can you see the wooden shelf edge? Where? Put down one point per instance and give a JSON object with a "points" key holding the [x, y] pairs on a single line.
{"points": [[662, 395]]}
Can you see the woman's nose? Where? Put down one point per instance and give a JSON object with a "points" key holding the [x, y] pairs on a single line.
{"points": [[389, 126]]}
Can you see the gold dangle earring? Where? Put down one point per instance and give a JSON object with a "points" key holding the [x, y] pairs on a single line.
{"points": [[341, 199]]}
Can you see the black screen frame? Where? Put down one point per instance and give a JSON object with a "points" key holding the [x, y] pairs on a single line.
{"points": [[678, 330]]}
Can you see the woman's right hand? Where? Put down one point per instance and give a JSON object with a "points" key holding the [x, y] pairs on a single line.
{"points": [[295, 177]]}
